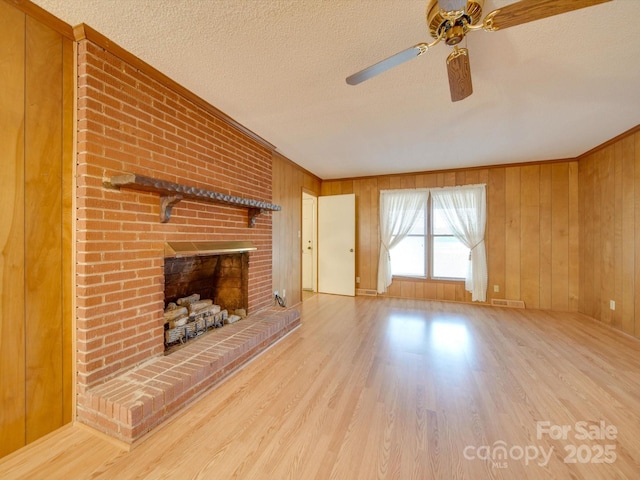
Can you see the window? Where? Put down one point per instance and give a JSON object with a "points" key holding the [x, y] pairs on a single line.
{"points": [[434, 233], [408, 256], [447, 256]]}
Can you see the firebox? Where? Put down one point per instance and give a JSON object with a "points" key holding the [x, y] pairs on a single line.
{"points": [[205, 286]]}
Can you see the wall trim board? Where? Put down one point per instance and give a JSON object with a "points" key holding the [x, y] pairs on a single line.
{"points": [[453, 170], [609, 142], [85, 32]]}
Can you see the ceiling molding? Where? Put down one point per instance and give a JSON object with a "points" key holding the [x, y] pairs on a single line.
{"points": [[615, 139], [454, 170], [85, 32]]}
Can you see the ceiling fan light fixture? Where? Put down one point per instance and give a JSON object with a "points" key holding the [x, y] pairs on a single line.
{"points": [[455, 34]]}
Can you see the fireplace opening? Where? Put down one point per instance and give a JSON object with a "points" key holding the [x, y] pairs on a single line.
{"points": [[204, 291]]}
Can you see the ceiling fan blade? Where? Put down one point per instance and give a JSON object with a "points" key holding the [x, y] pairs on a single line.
{"points": [[387, 64], [526, 11], [459, 71]]}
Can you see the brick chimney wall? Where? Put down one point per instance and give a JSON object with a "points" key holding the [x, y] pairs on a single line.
{"points": [[130, 123]]}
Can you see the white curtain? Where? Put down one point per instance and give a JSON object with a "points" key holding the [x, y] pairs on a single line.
{"points": [[398, 211], [465, 210]]}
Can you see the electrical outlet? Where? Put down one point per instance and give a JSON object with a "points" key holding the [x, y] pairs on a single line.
{"points": [[284, 293], [496, 288], [357, 279], [612, 304]]}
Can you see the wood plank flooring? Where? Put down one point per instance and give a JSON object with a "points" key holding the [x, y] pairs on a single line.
{"points": [[373, 388]]}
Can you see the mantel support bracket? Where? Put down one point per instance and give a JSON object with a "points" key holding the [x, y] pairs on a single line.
{"points": [[166, 205], [253, 215]]}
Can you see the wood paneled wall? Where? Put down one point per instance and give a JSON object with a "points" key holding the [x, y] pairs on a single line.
{"points": [[610, 233], [531, 233], [289, 181], [36, 136]]}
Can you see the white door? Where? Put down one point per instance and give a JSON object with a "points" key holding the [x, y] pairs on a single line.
{"points": [[336, 244], [309, 260]]}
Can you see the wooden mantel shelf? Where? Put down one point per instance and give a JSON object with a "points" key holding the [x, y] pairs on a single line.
{"points": [[171, 193]]}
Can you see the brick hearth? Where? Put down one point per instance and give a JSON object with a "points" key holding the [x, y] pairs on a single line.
{"points": [[131, 404]]}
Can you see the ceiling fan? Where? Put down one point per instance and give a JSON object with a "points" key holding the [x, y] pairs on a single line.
{"points": [[451, 20]]}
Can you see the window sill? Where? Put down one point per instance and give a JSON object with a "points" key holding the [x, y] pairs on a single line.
{"points": [[428, 280]]}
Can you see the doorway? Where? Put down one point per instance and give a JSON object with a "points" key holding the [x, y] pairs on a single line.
{"points": [[336, 244], [309, 245]]}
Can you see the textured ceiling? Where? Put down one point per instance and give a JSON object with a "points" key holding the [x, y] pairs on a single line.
{"points": [[549, 89]]}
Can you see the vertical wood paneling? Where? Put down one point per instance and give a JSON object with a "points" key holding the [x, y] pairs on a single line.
{"points": [[361, 231], [449, 179], [36, 235], [636, 160], [472, 177], [325, 188], [449, 293], [384, 183], [407, 289], [587, 243], [68, 225], [609, 219], [374, 235], [395, 182], [43, 232], [278, 224], [430, 291], [545, 236], [596, 231], [616, 320], [365, 267], [628, 253], [12, 344], [528, 213], [560, 237], [574, 238], [607, 212], [530, 235], [512, 233], [408, 181], [288, 183], [496, 235]]}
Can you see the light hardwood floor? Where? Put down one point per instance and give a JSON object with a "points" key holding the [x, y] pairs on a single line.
{"points": [[385, 388]]}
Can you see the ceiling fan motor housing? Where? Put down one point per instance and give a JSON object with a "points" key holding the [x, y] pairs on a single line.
{"points": [[454, 34], [455, 27]]}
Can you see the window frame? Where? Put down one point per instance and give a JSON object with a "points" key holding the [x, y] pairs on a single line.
{"points": [[429, 249]]}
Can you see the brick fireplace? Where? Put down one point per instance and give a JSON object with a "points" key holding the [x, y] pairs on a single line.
{"points": [[131, 123]]}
